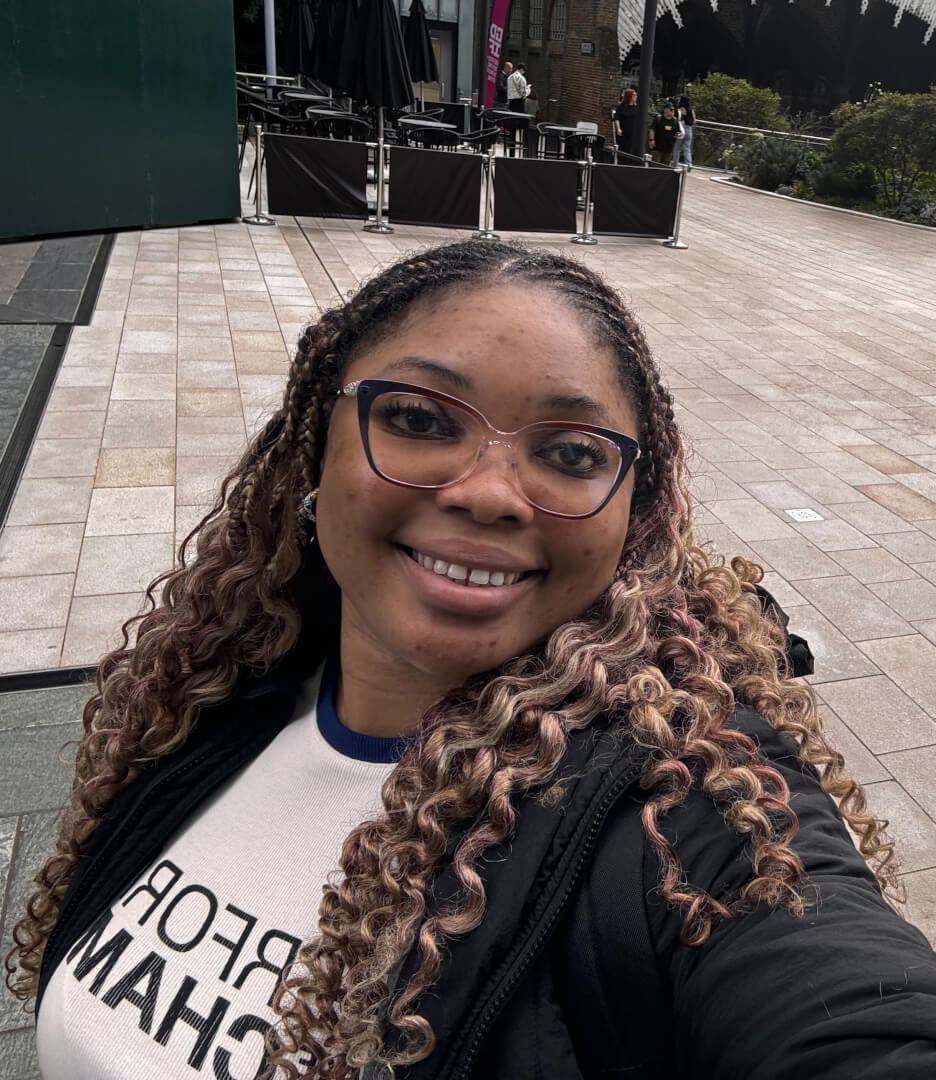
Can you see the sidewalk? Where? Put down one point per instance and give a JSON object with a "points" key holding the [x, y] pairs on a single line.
{"points": [[801, 347]]}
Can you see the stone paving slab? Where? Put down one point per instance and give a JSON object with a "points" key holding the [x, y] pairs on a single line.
{"points": [[800, 345]]}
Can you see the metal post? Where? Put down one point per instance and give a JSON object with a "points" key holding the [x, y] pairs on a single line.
{"points": [[259, 218], [379, 226], [269, 36], [585, 236], [646, 74], [647, 158], [674, 241], [486, 233]]}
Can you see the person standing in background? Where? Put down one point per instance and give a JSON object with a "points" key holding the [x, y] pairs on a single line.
{"points": [[683, 147], [518, 89], [664, 133], [625, 122], [500, 92]]}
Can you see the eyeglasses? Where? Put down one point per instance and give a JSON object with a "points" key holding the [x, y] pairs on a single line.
{"points": [[421, 438]]}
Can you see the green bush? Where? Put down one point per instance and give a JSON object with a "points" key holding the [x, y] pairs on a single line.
{"points": [[894, 137], [727, 100], [771, 163]]}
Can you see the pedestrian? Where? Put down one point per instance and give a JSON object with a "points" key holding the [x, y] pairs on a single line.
{"points": [[500, 97], [449, 750], [625, 121], [518, 89], [664, 131], [682, 148]]}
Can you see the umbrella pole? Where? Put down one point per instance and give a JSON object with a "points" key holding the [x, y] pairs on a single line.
{"points": [[422, 103], [379, 226]]}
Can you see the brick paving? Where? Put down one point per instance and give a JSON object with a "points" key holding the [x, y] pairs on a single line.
{"points": [[800, 345]]}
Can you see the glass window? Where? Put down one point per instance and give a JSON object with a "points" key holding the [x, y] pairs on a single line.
{"points": [[536, 19], [448, 10], [557, 31], [516, 20]]}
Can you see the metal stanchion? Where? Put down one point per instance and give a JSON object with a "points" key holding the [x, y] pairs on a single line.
{"points": [[586, 236], [259, 218], [379, 226], [647, 159], [487, 233], [674, 241]]}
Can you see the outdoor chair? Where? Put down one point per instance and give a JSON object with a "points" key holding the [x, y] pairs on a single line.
{"points": [[432, 138], [576, 145], [350, 128], [551, 142], [482, 141]]}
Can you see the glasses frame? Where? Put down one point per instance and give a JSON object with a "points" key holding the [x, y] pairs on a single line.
{"points": [[366, 391]]}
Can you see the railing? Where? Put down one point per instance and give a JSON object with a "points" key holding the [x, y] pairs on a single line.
{"points": [[712, 140], [292, 80]]}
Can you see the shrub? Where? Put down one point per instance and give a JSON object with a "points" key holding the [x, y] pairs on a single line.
{"points": [[770, 163], [893, 136], [727, 100]]}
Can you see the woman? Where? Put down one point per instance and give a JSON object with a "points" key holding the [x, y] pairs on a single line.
{"points": [[625, 122], [683, 147], [446, 630]]}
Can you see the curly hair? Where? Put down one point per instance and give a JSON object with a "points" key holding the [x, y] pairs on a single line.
{"points": [[669, 651]]}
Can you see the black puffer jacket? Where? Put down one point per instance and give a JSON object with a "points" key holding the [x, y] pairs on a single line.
{"points": [[577, 970]]}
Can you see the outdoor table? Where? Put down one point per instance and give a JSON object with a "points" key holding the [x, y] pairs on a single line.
{"points": [[560, 130], [511, 121], [418, 122], [305, 95]]}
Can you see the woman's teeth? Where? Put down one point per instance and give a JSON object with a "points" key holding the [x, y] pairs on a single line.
{"points": [[465, 574]]}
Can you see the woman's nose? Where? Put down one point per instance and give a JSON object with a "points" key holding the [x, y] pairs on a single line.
{"points": [[491, 491]]}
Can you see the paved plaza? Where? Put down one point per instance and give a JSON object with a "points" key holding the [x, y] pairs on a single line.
{"points": [[800, 344]]}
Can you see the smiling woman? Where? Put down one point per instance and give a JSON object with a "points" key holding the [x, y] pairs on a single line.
{"points": [[450, 753]]}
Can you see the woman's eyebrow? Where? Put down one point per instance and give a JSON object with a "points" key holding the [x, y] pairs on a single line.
{"points": [[574, 401], [432, 367]]}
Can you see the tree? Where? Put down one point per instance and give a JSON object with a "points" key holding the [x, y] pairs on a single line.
{"points": [[894, 135], [727, 100]]}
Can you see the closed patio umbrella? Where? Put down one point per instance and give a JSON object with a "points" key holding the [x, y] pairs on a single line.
{"points": [[417, 41], [386, 77], [324, 52], [300, 36]]}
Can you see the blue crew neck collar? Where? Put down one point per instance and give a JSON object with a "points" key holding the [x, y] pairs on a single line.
{"points": [[351, 744]]}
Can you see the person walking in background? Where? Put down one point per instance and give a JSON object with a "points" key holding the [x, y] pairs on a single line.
{"points": [[683, 147], [518, 89], [663, 134], [625, 122], [500, 91]]}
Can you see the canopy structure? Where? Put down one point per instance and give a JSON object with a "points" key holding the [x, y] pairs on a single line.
{"points": [[631, 13]]}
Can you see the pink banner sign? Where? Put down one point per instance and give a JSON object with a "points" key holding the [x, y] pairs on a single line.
{"points": [[494, 46]]}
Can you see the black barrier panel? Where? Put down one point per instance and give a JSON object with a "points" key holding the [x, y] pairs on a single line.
{"points": [[535, 196], [315, 177], [434, 187], [633, 201]]}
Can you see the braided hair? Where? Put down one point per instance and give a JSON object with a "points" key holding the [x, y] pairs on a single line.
{"points": [[669, 649]]}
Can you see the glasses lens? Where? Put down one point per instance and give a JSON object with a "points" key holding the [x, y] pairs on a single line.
{"points": [[421, 441], [567, 471]]}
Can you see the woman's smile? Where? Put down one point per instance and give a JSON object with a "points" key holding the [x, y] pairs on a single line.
{"points": [[477, 589]]}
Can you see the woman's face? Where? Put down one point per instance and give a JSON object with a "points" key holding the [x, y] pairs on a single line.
{"points": [[519, 355]]}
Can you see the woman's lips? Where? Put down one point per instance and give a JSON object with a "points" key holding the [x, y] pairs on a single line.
{"points": [[458, 597]]}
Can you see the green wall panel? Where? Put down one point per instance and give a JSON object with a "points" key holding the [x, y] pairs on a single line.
{"points": [[117, 113]]}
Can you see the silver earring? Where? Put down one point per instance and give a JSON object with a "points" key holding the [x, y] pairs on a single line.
{"points": [[306, 508]]}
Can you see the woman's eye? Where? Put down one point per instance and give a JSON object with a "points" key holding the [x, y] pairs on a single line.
{"points": [[573, 457], [416, 421]]}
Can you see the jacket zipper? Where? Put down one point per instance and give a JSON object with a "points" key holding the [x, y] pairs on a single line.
{"points": [[533, 949]]}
